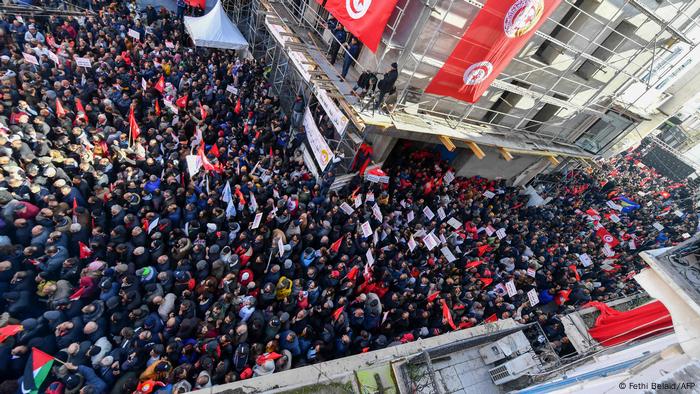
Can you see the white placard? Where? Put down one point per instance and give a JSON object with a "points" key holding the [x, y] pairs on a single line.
{"points": [[375, 237], [319, 147], [510, 287], [641, 194], [369, 196], [441, 213], [169, 45], [366, 229], [53, 57], [615, 218], [377, 212], [410, 216], [172, 107], [232, 89], [685, 235], [346, 208], [429, 241], [428, 213], [442, 239], [280, 246], [144, 84], [531, 272], [650, 203], [370, 258], [448, 254], [256, 221], [658, 226], [632, 245], [585, 260], [194, 162], [358, 200], [532, 297], [678, 213], [449, 177], [607, 251], [501, 233], [489, 194], [614, 206], [454, 223], [411, 244], [83, 62], [31, 59], [490, 230], [335, 115], [133, 33]]}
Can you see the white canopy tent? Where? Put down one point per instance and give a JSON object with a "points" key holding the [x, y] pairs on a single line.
{"points": [[215, 30]]}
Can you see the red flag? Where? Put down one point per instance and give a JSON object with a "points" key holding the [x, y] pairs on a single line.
{"points": [[202, 111], [196, 3], [572, 267], [133, 126], [498, 33], [486, 281], [157, 107], [491, 319], [238, 108], [76, 296], [432, 297], [365, 19], [81, 109], [338, 312], [562, 297], [447, 315], [336, 245], [606, 237], [85, 252], [9, 330], [483, 249], [665, 194], [214, 151], [353, 273], [75, 205], [205, 161], [473, 264], [267, 356], [160, 85], [182, 101], [60, 112], [145, 225]]}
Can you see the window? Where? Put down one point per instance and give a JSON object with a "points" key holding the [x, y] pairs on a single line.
{"points": [[603, 132], [605, 50], [504, 104], [545, 113]]}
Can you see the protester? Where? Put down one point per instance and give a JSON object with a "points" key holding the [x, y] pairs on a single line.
{"points": [[160, 232]]}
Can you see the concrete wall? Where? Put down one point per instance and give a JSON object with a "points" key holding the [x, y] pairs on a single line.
{"points": [[340, 372], [493, 165]]}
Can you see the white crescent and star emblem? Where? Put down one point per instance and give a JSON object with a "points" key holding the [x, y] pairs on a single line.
{"points": [[357, 8], [608, 239], [522, 17], [477, 73]]}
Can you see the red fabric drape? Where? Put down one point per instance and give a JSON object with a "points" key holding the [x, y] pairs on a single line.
{"points": [[613, 327]]}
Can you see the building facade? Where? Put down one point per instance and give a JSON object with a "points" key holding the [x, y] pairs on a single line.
{"points": [[597, 75]]}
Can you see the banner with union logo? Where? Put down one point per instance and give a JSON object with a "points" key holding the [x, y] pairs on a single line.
{"points": [[365, 19], [498, 33]]}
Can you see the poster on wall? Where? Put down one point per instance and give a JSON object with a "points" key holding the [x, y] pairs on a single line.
{"points": [[322, 152]]}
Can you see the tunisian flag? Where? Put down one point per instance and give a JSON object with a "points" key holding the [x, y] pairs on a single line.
{"points": [[606, 237], [496, 35], [196, 3], [365, 19]]}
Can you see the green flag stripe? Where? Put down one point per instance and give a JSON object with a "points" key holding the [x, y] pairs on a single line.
{"points": [[41, 373]]}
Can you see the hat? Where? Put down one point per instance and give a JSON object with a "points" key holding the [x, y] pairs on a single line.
{"points": [[74, 382]]}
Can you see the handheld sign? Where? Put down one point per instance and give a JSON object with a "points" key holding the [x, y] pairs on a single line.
{"points": [[134, 34]]}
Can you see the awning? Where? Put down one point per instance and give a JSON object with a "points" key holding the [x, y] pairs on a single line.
{"points": [[215, 30]]}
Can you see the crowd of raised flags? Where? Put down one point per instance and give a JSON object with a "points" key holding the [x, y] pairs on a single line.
{"points": [[160, 232]]}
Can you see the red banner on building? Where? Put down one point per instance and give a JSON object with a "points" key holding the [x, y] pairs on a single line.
{"points": [[365, 19], [497, 34]]}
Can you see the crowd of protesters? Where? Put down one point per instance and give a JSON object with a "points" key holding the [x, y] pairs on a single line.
{"points": [[160, 231]]}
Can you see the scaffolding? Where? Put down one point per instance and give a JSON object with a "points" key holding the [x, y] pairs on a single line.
{"points": [[421, 34]]}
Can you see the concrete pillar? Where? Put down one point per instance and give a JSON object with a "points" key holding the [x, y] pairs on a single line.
{"points": [[532, 171], [686, 320], [382, 145]]}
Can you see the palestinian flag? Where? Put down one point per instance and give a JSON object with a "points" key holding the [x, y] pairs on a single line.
{"points": [[36, 371]]}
